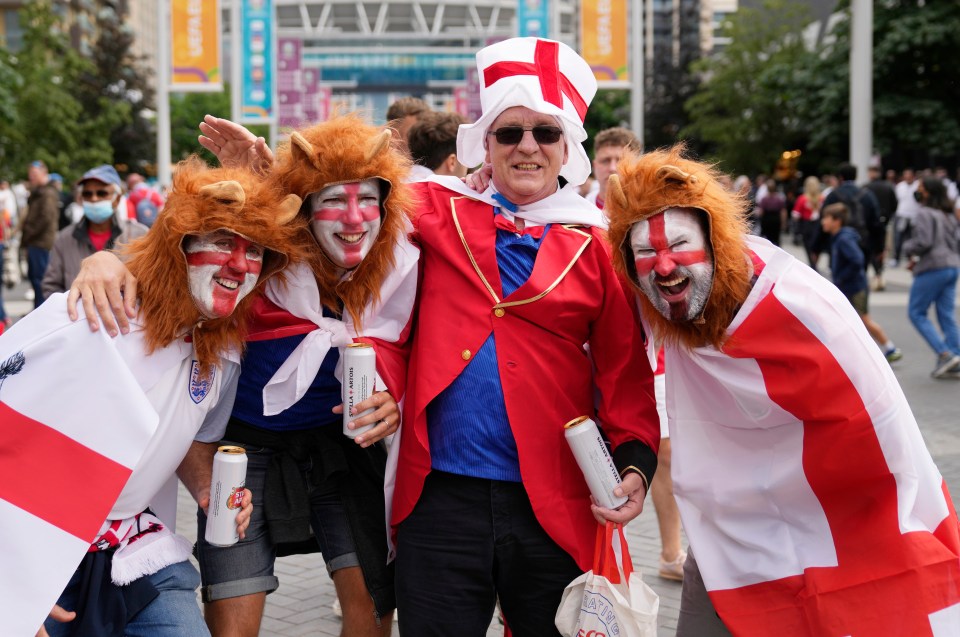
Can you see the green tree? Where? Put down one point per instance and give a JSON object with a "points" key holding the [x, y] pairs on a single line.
{"points": [[743, 113], [116, 88], [916, 86], [10, 85], [186, 113], [50, 121]]}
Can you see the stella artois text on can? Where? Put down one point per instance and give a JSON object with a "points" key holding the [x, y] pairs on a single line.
{"points": [[594, 460], [359, 378], [226, 495]]}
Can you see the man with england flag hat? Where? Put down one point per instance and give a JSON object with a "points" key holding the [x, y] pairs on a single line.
{"points": [[489, 503]]}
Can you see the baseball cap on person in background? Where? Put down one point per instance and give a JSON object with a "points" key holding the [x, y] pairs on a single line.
{"points": [[56, 177], [105, 173]]}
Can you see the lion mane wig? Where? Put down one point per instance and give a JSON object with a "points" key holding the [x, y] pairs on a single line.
{"points": [[205, 200], [342, 150], [648, 184]]}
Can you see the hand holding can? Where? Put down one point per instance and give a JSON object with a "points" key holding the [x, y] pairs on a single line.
{"points": [[594, 460], [226, 495], [359, 383]]}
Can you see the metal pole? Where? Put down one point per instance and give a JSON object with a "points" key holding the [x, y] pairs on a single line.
{"points": [[636, 69], [235, 67], [163, 94], [861, 86]]}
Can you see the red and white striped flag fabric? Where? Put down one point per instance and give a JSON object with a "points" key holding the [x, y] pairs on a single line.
{"points": [[811, 502], [73, 424]]}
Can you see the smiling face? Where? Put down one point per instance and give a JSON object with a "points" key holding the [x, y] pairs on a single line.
{"points": [[673, 262], [345, 220], [527, 171], [222, 268]]}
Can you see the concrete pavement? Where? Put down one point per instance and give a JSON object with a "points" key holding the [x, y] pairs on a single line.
{"points": [[302, 605]]}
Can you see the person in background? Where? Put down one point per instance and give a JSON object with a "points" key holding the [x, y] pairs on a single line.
{"points": [[907, 206], [432, 143], [8, 215], [773, 213], [934, 260], [38, 226], [886, 198], [143, 202], [849, 275], [101, 228], [608, 147], [807, 213], [402, 115]]}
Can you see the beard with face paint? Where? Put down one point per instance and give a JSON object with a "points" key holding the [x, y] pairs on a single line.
{"points": [[673, 263], [345, 219], [222, 268]]}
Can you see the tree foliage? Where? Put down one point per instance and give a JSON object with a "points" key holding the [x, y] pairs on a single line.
{"points": [[742, 113]]}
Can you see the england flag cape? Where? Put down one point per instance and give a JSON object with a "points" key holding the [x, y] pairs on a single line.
{"points": [[805, 487], [77, 416]]}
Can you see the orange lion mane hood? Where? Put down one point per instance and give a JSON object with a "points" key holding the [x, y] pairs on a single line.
{"points": [[342, 150], [648, 184], [205, 200]]}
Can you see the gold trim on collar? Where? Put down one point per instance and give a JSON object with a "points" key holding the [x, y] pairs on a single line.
{"points": [[463, 239], [556, 282]]}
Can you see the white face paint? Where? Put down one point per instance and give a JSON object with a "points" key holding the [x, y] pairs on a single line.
{"points": [[222, 268], [673, 262], [345, 219]]}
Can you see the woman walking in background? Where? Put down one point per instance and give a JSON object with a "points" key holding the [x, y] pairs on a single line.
{"points": [[806, 211], [935, 262]]}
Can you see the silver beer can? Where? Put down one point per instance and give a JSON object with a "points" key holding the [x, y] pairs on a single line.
{"points": [[226, 495], [359, 379], [594, 460]]}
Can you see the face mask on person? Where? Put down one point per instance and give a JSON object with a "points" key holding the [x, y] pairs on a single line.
{"points": [[97, 211]]}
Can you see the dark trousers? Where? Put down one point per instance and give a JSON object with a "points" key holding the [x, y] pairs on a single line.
{"points": [[468, 542], [37, 260]]}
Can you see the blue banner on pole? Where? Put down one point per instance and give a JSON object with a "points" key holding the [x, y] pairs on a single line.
{"points": [[258, 68], [533, 18]]}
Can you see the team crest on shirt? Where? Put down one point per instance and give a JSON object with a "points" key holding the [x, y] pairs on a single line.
{"points": [[199, 385]]}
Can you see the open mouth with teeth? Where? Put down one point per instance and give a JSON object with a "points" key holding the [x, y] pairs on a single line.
{"points": [[226, 283], [673, 289], [526, 167], [350, 239]]}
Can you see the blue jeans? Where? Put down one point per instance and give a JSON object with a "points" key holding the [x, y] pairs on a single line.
{"points": [[174, 613], [37, 260], [939, 287]]}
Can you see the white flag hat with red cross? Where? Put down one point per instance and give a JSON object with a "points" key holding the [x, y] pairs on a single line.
{"points": [[543, 75]]}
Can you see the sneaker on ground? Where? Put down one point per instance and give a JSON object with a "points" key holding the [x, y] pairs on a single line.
{"points": [[673, 570], [946, 364], [893, 354]]}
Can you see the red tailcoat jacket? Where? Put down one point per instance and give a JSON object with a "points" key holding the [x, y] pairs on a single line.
{"points": [[572, 298]]}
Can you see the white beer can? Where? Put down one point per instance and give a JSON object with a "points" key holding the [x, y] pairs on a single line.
{"points": [[594, 460], [226, 495], [359, 378]]}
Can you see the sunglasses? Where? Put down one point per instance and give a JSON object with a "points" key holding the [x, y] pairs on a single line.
{"points": [[102, 194], [511, 135]]}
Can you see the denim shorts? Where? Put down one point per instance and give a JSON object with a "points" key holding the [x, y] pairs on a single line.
{"points": [[247, 567]]}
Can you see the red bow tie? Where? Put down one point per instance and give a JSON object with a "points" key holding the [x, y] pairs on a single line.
{"points": [[505, 224]]}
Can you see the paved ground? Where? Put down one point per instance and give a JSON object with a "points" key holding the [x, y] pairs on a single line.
{"points": [[302, 605]]}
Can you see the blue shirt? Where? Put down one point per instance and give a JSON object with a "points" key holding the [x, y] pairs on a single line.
{"points": [[467, 422]]}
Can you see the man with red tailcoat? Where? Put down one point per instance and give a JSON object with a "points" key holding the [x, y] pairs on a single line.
{"points": [[489, 502]]}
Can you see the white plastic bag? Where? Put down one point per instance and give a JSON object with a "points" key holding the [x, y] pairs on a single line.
{"points": [[610, 600]]}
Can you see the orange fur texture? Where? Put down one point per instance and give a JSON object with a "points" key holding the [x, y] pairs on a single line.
{"points": [[340, 148], [648, 190], [157, 260]]}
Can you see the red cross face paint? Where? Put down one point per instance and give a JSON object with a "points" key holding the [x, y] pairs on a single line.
{"points": [[346, 220], [673, 261], [222, 268]]}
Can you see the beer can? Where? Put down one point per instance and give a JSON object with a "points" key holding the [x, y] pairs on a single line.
{"points": [[594, 459], [359, 378], [226, 495]]}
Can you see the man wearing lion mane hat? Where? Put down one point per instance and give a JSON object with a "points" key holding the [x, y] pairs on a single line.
{"points": [[358, 284], [124, 425], [810, 501]]}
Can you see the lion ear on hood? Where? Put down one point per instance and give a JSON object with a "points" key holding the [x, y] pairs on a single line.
{"points": [[288, 209], [378, 144], [226, 193], [615, 191], [302, 150]]}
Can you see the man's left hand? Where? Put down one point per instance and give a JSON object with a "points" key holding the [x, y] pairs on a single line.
{"points": [[632, 487]]}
